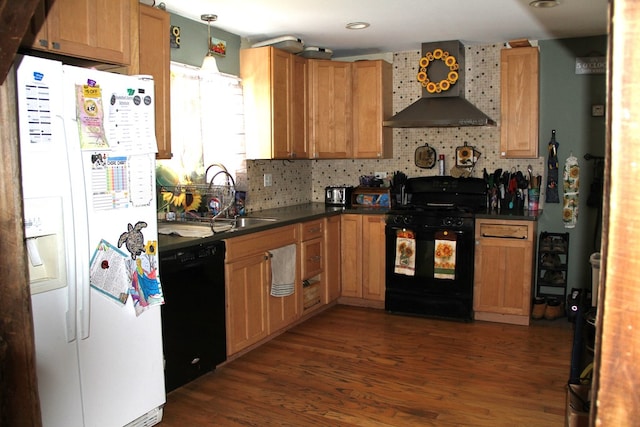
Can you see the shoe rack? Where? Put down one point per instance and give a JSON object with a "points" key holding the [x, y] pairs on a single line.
{"points": [[553, 259]]}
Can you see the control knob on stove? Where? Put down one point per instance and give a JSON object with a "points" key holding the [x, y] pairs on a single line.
{"points": [[452, 221]]}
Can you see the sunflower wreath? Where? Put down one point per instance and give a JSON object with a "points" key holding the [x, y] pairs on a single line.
{"points": [[445, 84]]}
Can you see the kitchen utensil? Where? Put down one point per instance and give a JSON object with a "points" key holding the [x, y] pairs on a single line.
{"points": [[425, 157]]}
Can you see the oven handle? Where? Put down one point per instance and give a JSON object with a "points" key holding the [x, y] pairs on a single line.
{"points": [[503, 237]]}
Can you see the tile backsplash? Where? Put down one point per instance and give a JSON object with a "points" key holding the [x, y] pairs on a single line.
{"points": [[302, 181]]}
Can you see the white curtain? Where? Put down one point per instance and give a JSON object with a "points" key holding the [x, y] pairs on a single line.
{"points": [[207, 123]]}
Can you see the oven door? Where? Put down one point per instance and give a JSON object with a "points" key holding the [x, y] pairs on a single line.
{"points": [[425, 290]]}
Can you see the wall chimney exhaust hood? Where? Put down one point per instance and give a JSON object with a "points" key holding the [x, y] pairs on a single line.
{"points": [[441, 74]]}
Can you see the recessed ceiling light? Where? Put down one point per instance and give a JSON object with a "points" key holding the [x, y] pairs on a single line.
{"points": [[544, 3], [357, 25]]}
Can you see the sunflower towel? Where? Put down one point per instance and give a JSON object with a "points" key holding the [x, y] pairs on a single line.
{"points": [[571, 192], [405, 253], [444, 257]]}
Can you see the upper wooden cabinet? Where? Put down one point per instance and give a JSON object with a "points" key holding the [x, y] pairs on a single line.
{"points": [[330, 110], [372, 104], [275, 98], [154, 59], [97, 30], [519, 100], [348, 103]]}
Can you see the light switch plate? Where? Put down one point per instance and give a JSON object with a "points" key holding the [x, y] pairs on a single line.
{"points": [[268, 180]]}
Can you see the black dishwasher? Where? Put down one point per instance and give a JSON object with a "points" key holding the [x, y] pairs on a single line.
{"points": [[193, 316]]}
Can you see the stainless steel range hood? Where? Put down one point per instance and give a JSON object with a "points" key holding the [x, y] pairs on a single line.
{"points": [[447, 108]]}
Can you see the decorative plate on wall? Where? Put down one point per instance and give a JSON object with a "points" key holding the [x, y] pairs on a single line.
{"points": [[425, 157]]}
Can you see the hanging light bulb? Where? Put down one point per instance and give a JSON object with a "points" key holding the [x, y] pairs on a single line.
{"points": [[209, 63]]}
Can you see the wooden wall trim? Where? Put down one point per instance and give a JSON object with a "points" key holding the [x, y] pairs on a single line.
{"points": [[19, 403], [15, 20], [617, 375]]}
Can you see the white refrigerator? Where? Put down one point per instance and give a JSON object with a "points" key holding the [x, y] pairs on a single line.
{"points": [[88, 173]]}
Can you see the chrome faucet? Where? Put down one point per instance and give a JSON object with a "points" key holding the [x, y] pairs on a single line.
{"points": [[231, 183], [218, 165]]}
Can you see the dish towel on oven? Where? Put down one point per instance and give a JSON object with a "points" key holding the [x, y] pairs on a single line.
{"points": [[405, 253], [283, 271], [444, 256]]}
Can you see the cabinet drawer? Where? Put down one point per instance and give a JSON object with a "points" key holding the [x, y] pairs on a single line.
{"points": [[312, 229], [311, 258], [503, 231], [238, 247]]}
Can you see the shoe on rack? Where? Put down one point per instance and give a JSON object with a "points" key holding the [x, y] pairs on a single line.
{"points": [[551, 260], [558, 279], [559, 245], [546, 244], [551, 276]]}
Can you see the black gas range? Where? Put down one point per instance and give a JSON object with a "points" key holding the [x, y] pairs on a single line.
{"points": [[429, 244]]}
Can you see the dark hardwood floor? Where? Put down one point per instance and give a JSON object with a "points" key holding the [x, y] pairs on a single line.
{"points": [[354, 366]]}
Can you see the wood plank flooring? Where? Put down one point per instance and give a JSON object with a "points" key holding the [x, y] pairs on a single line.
{"points": [[352, 366]]}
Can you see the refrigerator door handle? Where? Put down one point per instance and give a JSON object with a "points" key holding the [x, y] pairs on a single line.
{"points": [[81, 232]]}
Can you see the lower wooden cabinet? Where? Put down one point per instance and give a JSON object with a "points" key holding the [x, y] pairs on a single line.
{"points": [[504, 260], [246, 302], [333, 259], [252, 313], [362, 248]]}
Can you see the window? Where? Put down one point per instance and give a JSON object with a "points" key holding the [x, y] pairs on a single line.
{"points": [[207, 124]]}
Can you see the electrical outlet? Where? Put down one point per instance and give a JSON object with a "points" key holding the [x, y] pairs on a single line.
{"points": [[268, 180], [380, 175]]}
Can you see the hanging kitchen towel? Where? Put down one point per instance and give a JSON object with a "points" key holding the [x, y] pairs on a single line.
{"points": [[571, 192], [444, 256], [405, 253], [283, 271], [552, 174]]}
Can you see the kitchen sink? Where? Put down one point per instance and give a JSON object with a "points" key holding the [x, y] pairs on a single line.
{"points": [[203, 229], [250, 221]]}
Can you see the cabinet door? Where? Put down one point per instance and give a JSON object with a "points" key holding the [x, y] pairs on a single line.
{"points": [[154, 60], [332, 258], [312, 258], [503, 272], [351, 247], [519, 100], [372, 104], [281, 78], [330, 111], [91, 29], [282, 310], [246, 302], [299, 107], [373, 257]]}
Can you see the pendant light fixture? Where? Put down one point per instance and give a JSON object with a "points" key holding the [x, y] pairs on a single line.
{"points": [[209, 63]]}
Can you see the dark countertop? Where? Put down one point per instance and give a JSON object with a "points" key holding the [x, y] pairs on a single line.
{"points": [[523, 215], [307, 212], [286, 215]]}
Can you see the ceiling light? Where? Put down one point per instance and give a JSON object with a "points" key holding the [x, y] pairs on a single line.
{"points": [[357, 25], [544, 3], [209, 63]]}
